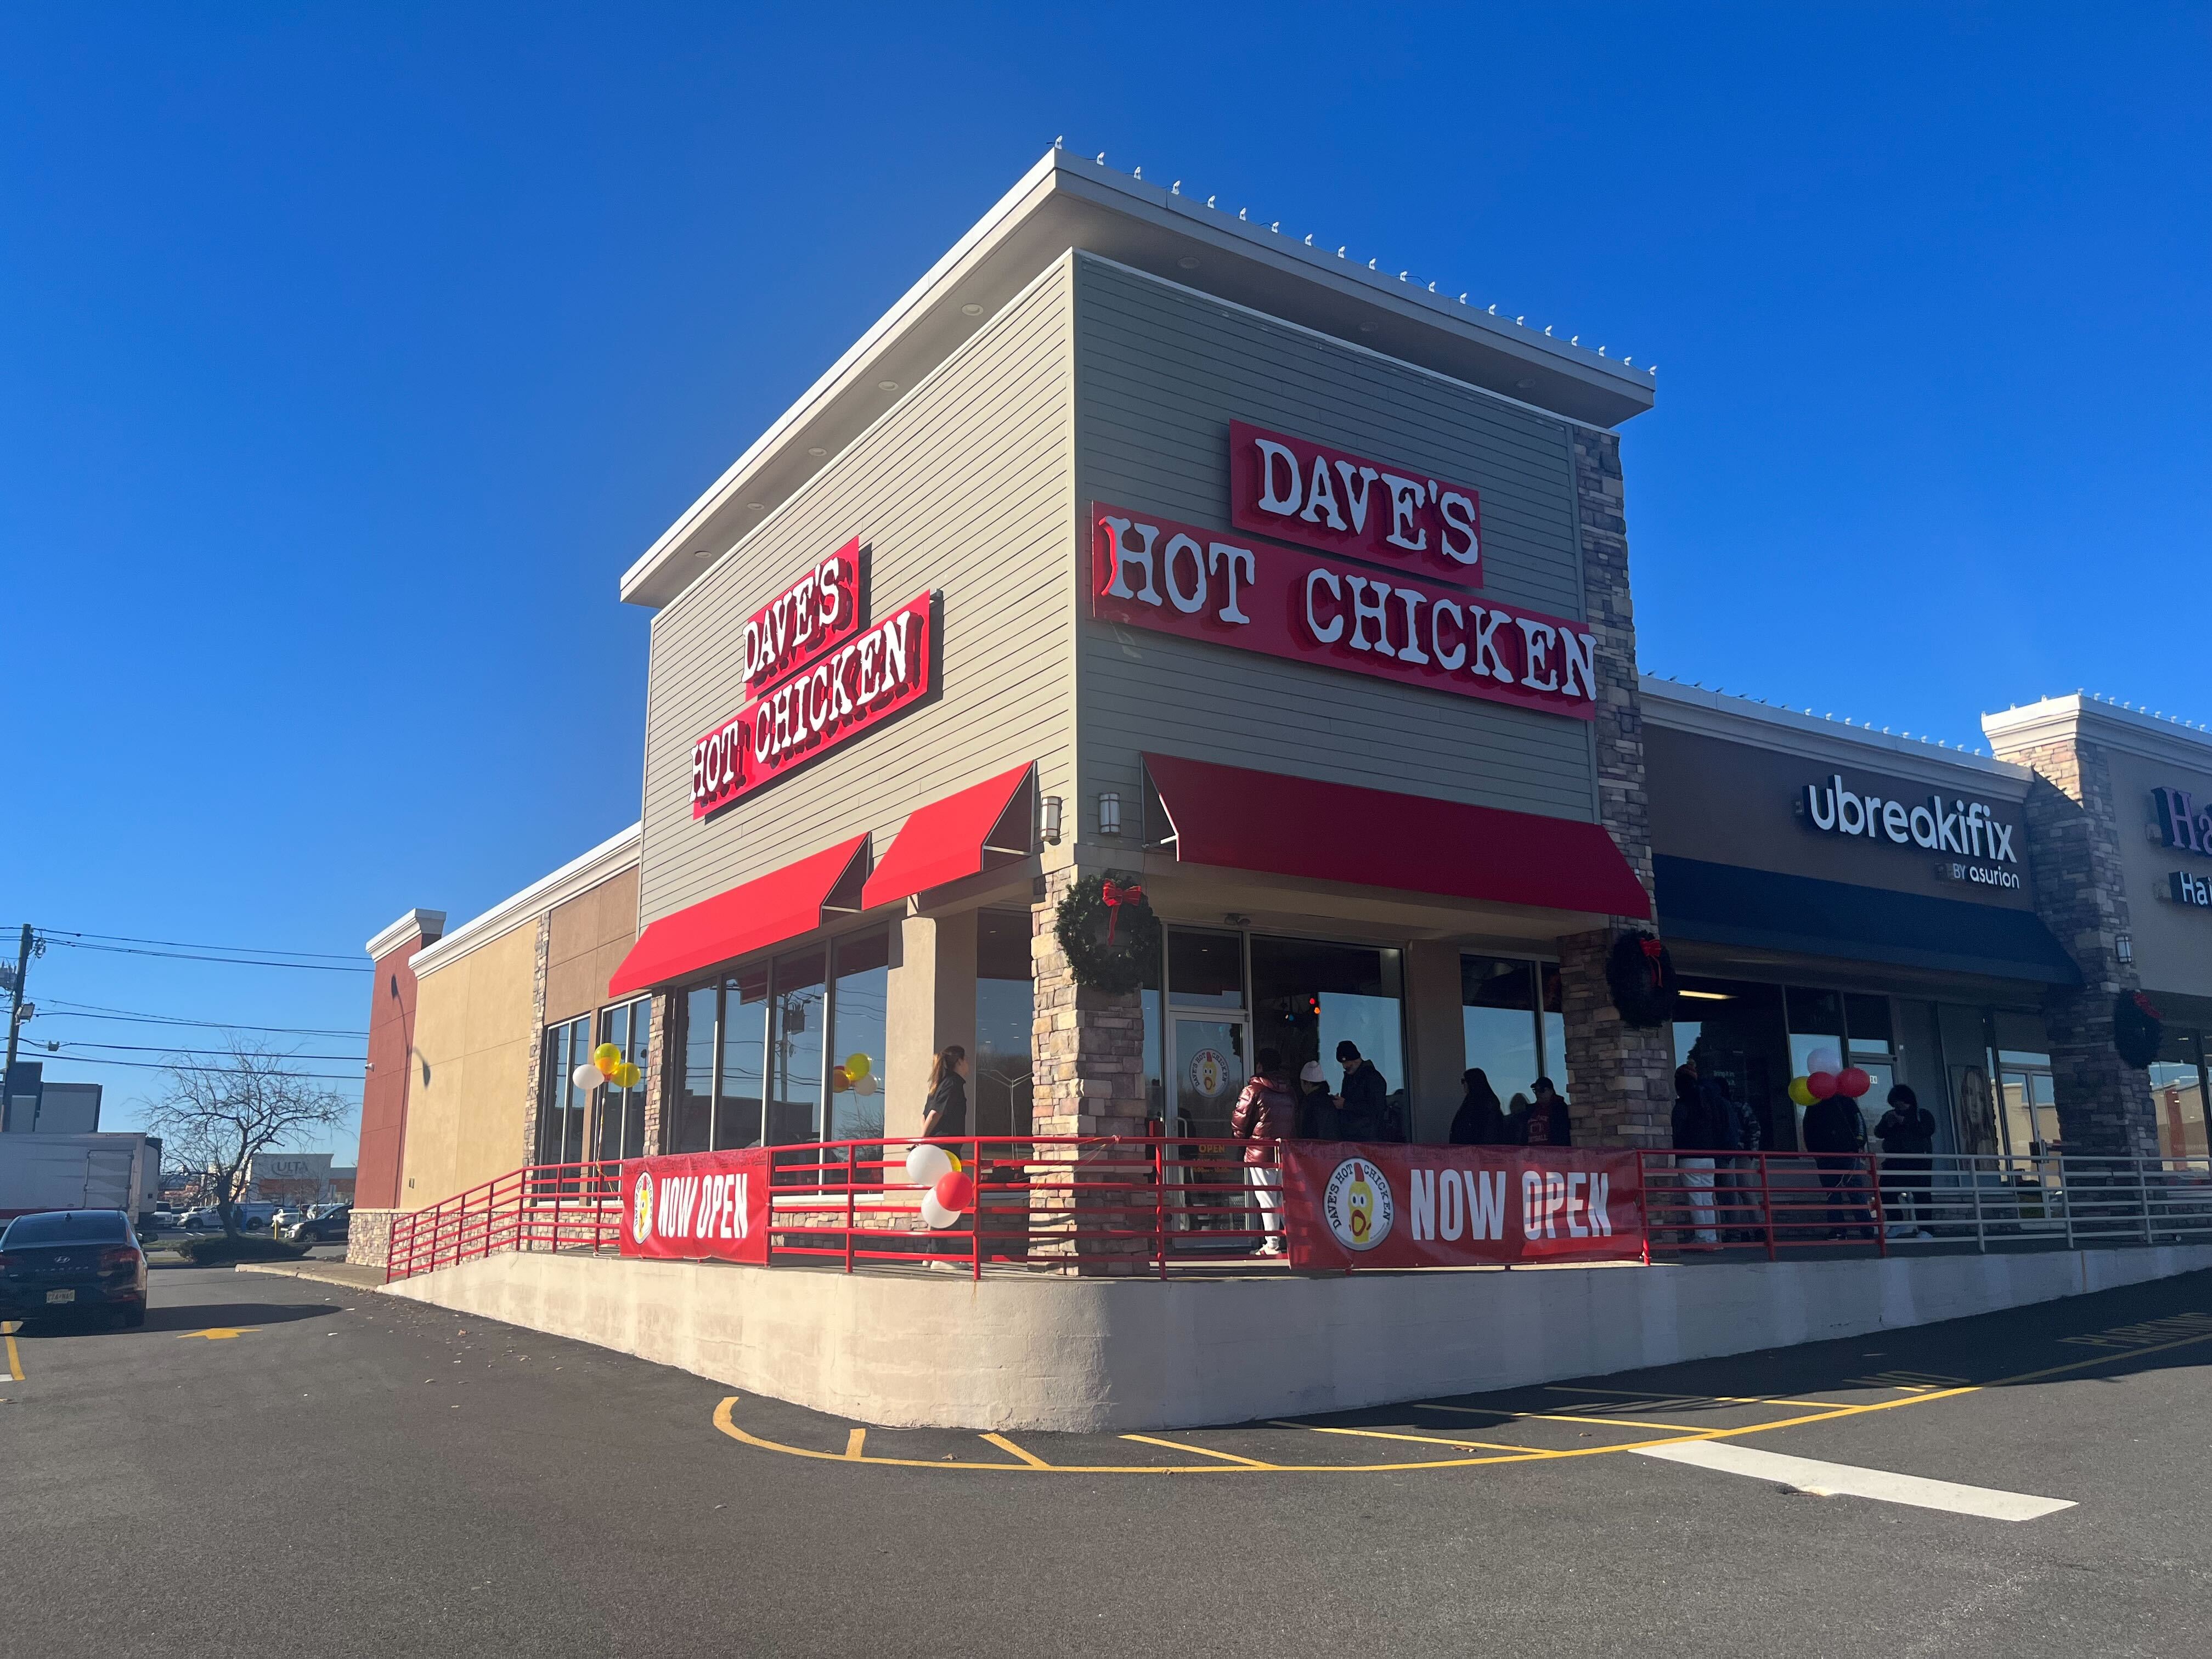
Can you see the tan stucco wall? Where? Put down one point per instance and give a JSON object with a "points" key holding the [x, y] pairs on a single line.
{"points": [[588, 937], [472, 1060]]}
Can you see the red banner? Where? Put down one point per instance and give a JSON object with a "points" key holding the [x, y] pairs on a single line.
{"points": [[1456, 1207], [697, 1206], [1152, 572]]}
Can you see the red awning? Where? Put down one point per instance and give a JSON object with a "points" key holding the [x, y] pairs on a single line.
{"points": [[750, 917], [1246, 820], [960, 836]]}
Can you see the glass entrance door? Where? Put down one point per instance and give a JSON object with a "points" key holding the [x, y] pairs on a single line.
{"points": [[1209, 1068]]}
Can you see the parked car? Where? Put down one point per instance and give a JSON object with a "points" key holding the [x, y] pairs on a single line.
{"points": [[165, 1218], [332, 1228], [66, 1261], [205, 1218], [282, 1221]]}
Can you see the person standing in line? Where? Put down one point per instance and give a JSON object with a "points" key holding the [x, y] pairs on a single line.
{"points": [[1907, 1133], [1549, 1124], [1264, 1115], [1316, 1106], [1480, 1120], [1361, 1101], [1695, 1138], [1737, 1175], [1834, 1127], [1516, 1121], [944, 1117]]}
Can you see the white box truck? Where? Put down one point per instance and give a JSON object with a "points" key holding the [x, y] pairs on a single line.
{"points": [[117, 1171]]}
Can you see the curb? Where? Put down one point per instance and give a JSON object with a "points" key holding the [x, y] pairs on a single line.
{"points": [[351, 1276]]}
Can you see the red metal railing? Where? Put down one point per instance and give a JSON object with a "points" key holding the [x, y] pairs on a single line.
{"points": [[546, 1206]]}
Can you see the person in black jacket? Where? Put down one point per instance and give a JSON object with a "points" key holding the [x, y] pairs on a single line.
{"points": [[1834, 1126], [1549, 1124], [1907, 1133], [945, 1112], [1480, 1120], [1316, 1106], [1363, 1098], [1696, 1136]]}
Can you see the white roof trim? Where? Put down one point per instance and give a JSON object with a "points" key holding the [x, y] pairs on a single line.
{"points": [[2055, 720], [579, 875], [1743, 720], [427, 924]]}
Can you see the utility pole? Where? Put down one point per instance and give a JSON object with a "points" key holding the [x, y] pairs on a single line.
{"points": [[15, 1017]]}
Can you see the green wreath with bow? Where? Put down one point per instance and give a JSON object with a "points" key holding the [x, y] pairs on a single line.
{"points": [[1106, 927]]}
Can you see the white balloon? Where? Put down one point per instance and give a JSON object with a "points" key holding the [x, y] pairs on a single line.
{"points": [[925, 1163], [1824, 1060], [935, 1213], [586, 1076], [864, 1085]]}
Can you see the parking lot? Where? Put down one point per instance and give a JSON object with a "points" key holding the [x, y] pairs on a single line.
{"points": [[277, 1454]]}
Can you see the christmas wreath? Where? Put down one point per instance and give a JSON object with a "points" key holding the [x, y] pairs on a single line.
{"points": [[1111, 937], [1641, 975], [2139, 1029]]}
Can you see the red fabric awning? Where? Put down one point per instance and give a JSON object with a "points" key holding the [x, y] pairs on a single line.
{"points": [[1246, 820], [750, 917], [959, 835]]}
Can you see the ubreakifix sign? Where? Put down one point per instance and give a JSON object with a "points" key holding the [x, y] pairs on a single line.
{"points": [[697, 1206], [1356, 1206], [1151, 572], [818, 678], [1971, 830]]}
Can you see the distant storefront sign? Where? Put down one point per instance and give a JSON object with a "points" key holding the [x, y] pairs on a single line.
{"points": [[1984, 844]]}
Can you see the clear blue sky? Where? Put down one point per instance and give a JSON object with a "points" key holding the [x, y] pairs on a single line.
{"points": [[350, 353]]}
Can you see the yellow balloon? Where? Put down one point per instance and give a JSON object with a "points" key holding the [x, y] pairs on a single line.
{"points": [[1800, 1092], [858, 1066], [626, 1075], [955, 1157], [606, 1057]]}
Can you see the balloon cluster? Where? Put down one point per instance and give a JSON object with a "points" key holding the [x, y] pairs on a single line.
{"points": [[606, 1065], [1825, 1074], [858, 1074], [951, 1189]]}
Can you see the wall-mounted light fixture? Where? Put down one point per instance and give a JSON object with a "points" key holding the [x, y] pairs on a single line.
{"points": [[2123, 946], [1052, 819], [1109, 814]]}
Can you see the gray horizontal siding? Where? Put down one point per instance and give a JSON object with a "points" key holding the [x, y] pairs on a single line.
{"points": [[965, 486], [1160, 373]]}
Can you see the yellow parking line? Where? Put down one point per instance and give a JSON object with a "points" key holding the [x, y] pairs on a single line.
{"points": [[1696, 1399], [1562, 1416], [1421, 1439], [1203, 1451], [854, 1441], [1004, 1444], [14, 1354]]}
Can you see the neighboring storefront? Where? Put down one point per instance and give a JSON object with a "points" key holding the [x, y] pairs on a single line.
{"points": [[1823, 885]]}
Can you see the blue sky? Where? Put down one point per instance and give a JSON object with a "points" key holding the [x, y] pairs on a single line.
{"points": [[350, 353]]}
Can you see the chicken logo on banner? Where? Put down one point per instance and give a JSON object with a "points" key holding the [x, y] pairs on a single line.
{"points": [[1358, 1204]]}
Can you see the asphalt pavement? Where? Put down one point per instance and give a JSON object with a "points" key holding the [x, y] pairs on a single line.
{"points": [[275, 1461]]}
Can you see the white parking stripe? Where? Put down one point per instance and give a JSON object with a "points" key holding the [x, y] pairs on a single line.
{"points": [[1842, 1480]]}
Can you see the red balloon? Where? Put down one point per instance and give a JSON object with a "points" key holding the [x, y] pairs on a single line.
{"points": [[956, 1190], [1821, 1085], [1853, 1082]]}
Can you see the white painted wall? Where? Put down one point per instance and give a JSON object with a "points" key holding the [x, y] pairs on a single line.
{"points": [[1090, 1355]]}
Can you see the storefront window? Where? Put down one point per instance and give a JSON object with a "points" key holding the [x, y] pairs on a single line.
{"points": [[1309, 997], [1205, 971], [1498, 1017], [857, 1078], [1738, 1040], [1006, 1011], [560, 1102], [2177, 1094], [741, 1087], [1966, 1064], [1555, 1029], [621, 1129], [693, 1130], [798, 1013]]}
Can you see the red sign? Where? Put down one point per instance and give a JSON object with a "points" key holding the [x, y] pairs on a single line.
{"points": [[1151, 572], [1452, 1207], [815, 615], [697, 1206], [875, 675], [1299, 491]]}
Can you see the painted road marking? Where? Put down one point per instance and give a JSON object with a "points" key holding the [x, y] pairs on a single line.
{"points": [[1006, 1445], [1646, 1400], [1557, 1417], [14, 1354], [1842, 1480], [223, 1333], [854, 1441], [1203, 1451]]}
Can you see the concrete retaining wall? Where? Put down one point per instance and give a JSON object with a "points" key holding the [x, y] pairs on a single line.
{"points": [[1103, 1354]]}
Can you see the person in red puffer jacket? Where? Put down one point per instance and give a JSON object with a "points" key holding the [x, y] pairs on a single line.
{"points": [[1265, 1113]]}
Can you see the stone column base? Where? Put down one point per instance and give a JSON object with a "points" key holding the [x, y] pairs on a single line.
{"points": [[369, 1237]]}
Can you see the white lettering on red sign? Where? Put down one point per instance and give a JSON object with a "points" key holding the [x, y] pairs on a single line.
{"points": [[885, 669], [812, 616], [1297, 490], [1151, 572]]}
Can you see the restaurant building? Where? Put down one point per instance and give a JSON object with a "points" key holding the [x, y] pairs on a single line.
{"points": [[1141, 540]]}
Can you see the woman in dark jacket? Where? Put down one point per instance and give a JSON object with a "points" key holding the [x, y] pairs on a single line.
{"points": [[945, 1113], [1907, 1133], [1265, 1113], [1480, 1120]]}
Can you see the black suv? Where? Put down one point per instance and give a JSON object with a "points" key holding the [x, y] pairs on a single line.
{"points": [[56, 1261]]}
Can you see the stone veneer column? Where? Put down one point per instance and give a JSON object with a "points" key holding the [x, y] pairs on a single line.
{"points": [[536, 1068], [662, 1072], [1620, 1089], [1087, 1065], [2105, 1105]]}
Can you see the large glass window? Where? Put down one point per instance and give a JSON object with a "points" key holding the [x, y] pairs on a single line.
{"points": [[693, 1130], [621, 1129], [1734, 1033], [1205, 971], [561, 1103], [857, 1050], [741, 1087], [2177, 1092], [1006, 1013], [1498, 1018], [798, 1013], [1310, 996]]}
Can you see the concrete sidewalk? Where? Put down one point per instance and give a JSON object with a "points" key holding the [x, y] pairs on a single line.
{"points": [[354, 1276]]}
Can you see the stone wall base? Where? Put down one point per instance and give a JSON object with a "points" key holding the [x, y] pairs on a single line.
{"points": [[369, 1237]]}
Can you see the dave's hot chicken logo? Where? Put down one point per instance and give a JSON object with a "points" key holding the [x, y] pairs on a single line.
{"points": [[641, 1208], [1358, 1204]]}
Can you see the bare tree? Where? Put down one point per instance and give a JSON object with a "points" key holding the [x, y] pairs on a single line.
{"points": [[216, 1119]]}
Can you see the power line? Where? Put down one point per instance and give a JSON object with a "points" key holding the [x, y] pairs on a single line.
{"points": [[188, 955], [57, 1009], [195, 945], [157, 1048], [155, 1066]]}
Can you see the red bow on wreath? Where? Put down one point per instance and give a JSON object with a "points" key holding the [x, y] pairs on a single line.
{"points": [[1652, 948], [2144, 1003], [1114, 898]]}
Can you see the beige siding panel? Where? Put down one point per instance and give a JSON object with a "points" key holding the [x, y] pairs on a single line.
{"points": [[588, 937], [965, 487], [1160, 373], [472, 1066]]}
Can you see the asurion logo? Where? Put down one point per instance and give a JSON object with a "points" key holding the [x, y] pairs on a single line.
{"points": [[641, 1208], [1357, 1205]]}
